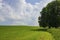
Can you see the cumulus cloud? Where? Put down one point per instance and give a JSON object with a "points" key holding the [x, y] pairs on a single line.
{"points": [[23, 14], [2, 19], [0, 3]]}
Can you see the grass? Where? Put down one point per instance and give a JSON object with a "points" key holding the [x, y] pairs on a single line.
{"points": [[28, 33], [55, 33]]}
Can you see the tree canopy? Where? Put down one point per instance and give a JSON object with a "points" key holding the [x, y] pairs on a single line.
{"points": [[50, 15]]}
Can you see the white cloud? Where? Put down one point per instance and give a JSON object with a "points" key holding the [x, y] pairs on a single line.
{"points": [[0, 3], [24, 14], [2, 19]]}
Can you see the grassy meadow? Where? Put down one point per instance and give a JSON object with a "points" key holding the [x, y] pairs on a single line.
{"points": [[28, 33]]}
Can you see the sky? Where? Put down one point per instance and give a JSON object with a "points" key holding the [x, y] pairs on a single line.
{"points": [[21, 12]]}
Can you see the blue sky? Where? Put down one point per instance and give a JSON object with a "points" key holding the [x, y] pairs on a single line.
{"points": [[21, 12], [33, 1]]}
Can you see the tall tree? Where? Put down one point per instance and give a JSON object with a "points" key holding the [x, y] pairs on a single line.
{"points": [[50, 15]]}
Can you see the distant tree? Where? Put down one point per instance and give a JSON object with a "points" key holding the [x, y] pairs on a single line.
{"points": [[50, 15]]}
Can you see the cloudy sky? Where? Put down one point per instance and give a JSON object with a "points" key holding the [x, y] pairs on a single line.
{"points": [[21, 12]]}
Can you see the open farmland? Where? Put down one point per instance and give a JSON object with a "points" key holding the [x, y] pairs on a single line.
{"points": [[28, 33]]}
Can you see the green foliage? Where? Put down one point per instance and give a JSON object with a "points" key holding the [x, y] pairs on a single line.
{"points": [[50, 15]]}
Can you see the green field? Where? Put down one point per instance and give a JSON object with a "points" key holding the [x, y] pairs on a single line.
{"points": [[28, 33]]}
